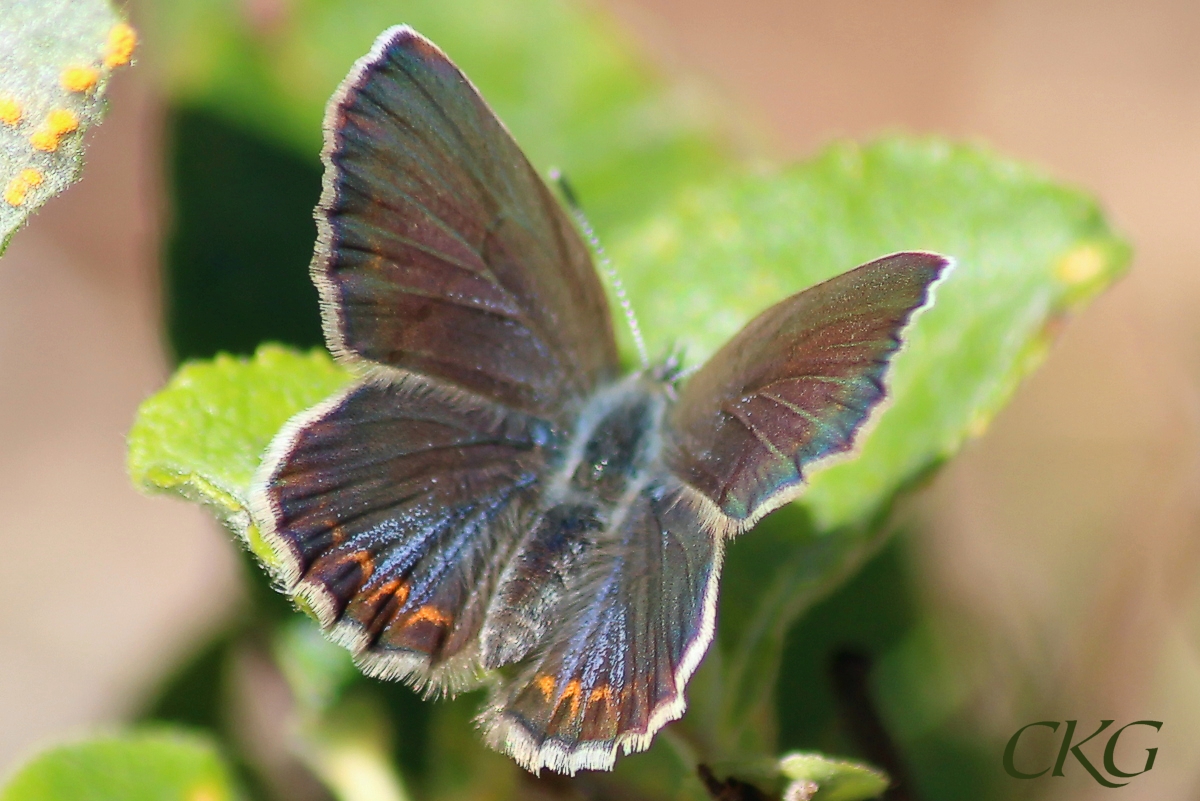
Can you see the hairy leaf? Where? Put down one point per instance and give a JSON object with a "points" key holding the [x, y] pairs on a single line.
{"points": [[56, 57]]}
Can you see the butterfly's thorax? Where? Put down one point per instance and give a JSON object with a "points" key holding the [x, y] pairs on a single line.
{"points": [[612, 456], [617, 439]]}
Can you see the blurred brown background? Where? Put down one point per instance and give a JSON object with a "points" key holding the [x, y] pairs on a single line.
{"points": [[1061, 563]]}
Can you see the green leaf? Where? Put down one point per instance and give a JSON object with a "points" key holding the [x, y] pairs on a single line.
{"points": [[139, 766], [203, 435], [1027, 249], [1028, 252], [564, 78], [821, 778], [56, 57]]}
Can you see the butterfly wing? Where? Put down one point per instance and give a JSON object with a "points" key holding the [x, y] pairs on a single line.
{"points": [[795, 386], [612, 672], [391, 507], [440, 249], [446, 267]]}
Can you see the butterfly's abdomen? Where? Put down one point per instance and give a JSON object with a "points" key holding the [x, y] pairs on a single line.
{"points": [[602, 469]]}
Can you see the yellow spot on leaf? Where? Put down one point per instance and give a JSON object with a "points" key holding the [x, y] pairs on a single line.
{"points": [[14, 193], [44, 140], [205, 792], [122, 39], [79, 79], [1081, 265], [10, 111], [58, 123], [978, 426]]}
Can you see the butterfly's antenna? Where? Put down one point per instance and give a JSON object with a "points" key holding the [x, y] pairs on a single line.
{"points": [[605, 263]]}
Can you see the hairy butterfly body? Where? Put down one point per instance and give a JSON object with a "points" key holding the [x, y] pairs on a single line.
{"points": [[491, 495]]}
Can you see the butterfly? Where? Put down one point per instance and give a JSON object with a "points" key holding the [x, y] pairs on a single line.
{"points": [[491, 499]]}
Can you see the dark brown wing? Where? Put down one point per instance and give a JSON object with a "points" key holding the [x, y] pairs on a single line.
{"points": [[440, 250], [392, 507], [795, 385]]}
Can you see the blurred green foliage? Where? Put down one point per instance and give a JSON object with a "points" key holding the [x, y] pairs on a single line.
{"points": [[151, 765], [562, 76], [248, 96], [702, 244], [242, 233]]}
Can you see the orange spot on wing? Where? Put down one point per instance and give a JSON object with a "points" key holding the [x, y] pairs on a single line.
{"points": [[44, 141], [601, 693], [59, 123], [362, 558], [546, 685], [332, 566], [571, 693], [397, 588], [430, 613]]}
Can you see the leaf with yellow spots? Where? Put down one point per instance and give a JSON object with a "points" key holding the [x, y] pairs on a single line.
{"points": [[144, 765], [56, 57]]}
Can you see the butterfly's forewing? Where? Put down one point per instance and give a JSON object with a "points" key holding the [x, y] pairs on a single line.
{"points": [[440, 249], [612, 671], [795, 386], [392, 506]]}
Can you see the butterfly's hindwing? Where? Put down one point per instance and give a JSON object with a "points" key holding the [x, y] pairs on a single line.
{"points": [[393, 506], [611, 669]]}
